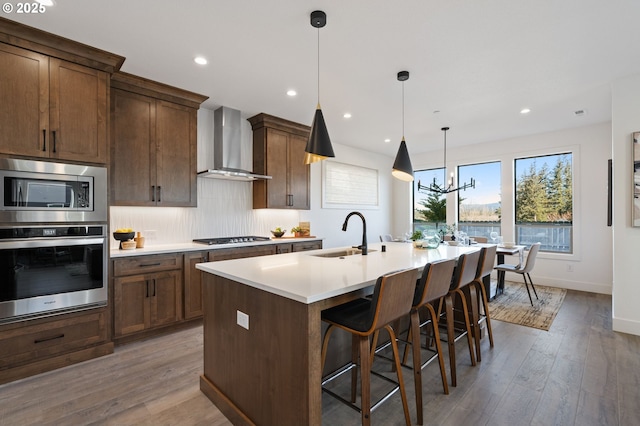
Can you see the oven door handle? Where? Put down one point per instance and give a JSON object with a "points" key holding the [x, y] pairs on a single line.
{"points": [[49, 242]]}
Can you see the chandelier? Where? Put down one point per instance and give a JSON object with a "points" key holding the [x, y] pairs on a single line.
{"points": [[434, 187]]}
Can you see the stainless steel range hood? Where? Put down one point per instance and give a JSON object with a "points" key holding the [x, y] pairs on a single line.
{"points": [[227, 148]]}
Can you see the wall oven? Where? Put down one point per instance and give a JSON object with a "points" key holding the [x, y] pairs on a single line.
{"points": [[53, 238]]}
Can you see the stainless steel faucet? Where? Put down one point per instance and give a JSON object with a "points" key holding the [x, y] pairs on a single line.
{"points": [[362, 247]]}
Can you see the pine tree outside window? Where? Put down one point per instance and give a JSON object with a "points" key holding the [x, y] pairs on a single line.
{"points": [[544, 202]]}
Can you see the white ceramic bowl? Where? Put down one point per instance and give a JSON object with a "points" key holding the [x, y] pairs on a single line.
{"points": [[452, 243], [508, 244]]}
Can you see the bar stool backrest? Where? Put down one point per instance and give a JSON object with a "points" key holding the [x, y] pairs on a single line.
{"points": [[487, 261], [466, 269], [392, 297], [434, 282]]}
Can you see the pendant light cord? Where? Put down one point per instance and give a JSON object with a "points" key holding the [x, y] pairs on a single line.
{"points": [[444, 166], [318, 65], [403, 110]]}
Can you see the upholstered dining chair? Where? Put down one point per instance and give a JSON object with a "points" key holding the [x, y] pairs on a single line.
{"points": [[524, 271], [385, 238], [392, 299]]}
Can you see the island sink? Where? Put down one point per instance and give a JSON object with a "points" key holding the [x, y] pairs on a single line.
{"points": [[341, 253]]}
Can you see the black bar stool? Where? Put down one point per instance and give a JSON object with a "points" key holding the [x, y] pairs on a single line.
{"points": [[392, 299]]}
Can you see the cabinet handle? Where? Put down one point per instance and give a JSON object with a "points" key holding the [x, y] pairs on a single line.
{"points": [[290, 199], [54, 141], [46, 339], [154, 287], [147, 293], [159, 194], [153, 193], [143, 265], [44, 139]]}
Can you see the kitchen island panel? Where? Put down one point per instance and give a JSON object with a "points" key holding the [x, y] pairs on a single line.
{"points": [[257, 384]]}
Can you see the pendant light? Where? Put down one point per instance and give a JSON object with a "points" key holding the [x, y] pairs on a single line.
{"points": [[434, 187], [319, 145], [402, 168]]}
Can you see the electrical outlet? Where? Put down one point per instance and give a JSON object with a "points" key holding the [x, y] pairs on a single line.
{"points": [[242, 319], [569, 267]]}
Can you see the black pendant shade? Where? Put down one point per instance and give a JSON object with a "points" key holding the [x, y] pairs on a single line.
{"points": [[402, 168], [319, 144]]}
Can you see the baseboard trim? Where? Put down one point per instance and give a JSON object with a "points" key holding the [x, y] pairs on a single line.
{"points": [[626, 326], [566, 284]]}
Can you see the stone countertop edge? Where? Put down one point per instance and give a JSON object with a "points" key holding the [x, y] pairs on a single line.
{"points": [[186, 247]]}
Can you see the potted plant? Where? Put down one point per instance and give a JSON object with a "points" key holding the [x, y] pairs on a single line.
{"points": [[297, 231]]}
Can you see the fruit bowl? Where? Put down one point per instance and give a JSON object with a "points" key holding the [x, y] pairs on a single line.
{"points": [[278, 234], [123, 236]]}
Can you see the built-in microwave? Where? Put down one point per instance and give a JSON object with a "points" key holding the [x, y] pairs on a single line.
{"points": [[38, 191]]}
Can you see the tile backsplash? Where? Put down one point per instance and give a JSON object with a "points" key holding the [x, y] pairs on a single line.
{"points": [[224, 209]]}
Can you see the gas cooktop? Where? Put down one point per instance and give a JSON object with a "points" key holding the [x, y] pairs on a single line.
{"points": [[230, 240]]}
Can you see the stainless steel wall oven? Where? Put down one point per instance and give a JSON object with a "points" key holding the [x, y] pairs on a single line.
{"points": [[53, 238]]}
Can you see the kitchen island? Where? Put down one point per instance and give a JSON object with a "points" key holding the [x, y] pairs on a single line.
{"points": [[262, 325]]}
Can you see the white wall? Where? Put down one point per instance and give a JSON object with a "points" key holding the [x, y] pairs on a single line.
{"points": [[591, 261], [225, 207], [626, 239]]}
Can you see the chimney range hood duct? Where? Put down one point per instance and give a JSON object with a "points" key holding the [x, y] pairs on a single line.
{"points": [[227, 148]]}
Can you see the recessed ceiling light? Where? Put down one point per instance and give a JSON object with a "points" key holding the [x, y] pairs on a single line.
{"points": [[387, 140], [525, 111], [347, 115], [200, 60], [291, 92]]}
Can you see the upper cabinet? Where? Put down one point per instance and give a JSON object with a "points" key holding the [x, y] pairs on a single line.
{"points": [[153, 143], [278, 151], [55, 96]]}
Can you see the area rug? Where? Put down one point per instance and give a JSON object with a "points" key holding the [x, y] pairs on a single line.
{"points": [[514, 306]]}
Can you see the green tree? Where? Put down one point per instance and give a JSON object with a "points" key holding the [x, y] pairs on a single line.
{"points": [[531, 193], [435, 208]]}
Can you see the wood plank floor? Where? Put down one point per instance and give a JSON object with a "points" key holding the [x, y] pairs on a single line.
{"points": [[577, 373]]}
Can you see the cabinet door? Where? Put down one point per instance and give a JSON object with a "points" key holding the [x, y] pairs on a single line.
{"points": [[131, 305], [276, 158], [309, 245], [299, 175], [193, 285], [133, 149], [176, 155], [166, 297], [78, 112], [24, 108]]}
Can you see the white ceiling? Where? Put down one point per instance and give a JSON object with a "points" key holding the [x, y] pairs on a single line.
{"points": [[477, 62]]}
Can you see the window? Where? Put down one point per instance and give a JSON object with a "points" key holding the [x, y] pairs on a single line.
{"points": [[479, 208], [429, 209], [544, 202]]}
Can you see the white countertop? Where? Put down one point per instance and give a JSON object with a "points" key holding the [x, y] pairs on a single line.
{"points": [[190, 246], [306, 278]]}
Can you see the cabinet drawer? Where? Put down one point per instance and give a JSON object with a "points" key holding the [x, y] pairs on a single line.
{"points": [[144, 264], [304, 246], [241, 252], [27, 344]]}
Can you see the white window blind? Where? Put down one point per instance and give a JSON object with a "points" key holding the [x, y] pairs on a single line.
{"points": [[348, 185]]}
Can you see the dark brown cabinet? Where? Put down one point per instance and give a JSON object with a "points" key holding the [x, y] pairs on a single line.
{"points": [[278, 151], [193, 284], [147, 293], [52, 108], [153, 143], [241, 252], [306, 245]]}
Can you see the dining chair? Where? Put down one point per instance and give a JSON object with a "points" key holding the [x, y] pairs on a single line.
{"points": [[479, 239], [392, 299], [464, 274], [385, 238], [524, 271]]}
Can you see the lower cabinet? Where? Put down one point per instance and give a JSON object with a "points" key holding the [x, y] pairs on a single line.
{"points": [[148, 298], [193, 284], [306, 245]]}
